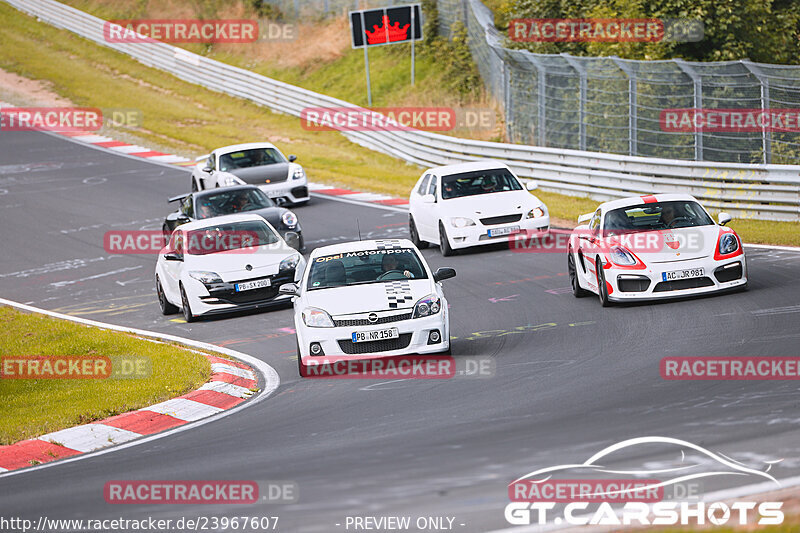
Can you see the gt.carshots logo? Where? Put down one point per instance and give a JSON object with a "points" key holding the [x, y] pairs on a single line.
{"points": [[612, 488]]}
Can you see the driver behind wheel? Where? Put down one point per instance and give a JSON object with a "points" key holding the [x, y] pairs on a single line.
{"points": [[668, 215], [391, 263]]}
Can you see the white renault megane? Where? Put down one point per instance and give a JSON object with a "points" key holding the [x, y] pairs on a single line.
{"points": [[375, 297], [224, 264]]}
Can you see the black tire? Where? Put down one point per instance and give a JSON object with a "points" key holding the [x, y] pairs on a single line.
{"points": [[602, 291], [577, 291], [412, 229], [167, 233], [186, 308], [444, 244], [166, 307], [301, 368]]}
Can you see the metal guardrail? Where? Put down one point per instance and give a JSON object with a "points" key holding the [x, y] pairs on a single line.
{"points": [[750, 191]]}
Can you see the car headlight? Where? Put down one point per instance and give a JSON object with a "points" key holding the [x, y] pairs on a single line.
{"points": [[728, 244], [290, 262], [205, 277], [289, 219], [461, 222], [430, 305], [316, 318], [621, 256], [229, 181], [298, 173], [536, 212]]}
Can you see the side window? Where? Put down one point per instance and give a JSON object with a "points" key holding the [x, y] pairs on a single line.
{"points": [[594, 223], [432, 189], [186, 206], [423, 186]]}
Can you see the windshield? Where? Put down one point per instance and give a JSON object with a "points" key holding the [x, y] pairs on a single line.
{"points": [[255, 157], [364, 266], [478, 182], [230, 236], [656, 216], [230, 202]]}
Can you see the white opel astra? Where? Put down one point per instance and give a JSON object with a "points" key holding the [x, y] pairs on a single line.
{"points": [[377, 298], [471, 204], [224, 264]]}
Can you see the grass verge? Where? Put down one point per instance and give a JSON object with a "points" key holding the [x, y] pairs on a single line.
{"points": [[191, 120], [34, 407]]}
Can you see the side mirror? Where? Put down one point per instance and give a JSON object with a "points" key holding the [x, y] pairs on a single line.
{"points": [[288, 288], [531, 185], [428, 199], [585, 218], [292, 158], [173, 256], [207, 169], [292, 239], [724, 218], [444, 273]]}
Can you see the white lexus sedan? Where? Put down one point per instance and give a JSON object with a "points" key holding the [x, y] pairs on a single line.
{"points": [[372, 298], [224, 264], [260, 164], [471, 204], [654, 247]]}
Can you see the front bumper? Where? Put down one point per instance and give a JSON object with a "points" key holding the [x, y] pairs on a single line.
{"points": [[627, 284], [291, 191], [337, 341], [478, 234], [215, 298]]}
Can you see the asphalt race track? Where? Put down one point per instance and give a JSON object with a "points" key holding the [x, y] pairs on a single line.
{"points": [[571, 376]]}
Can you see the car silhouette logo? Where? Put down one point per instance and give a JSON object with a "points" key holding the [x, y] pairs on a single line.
{"points": [[248, 267], [710, 464], [372, 317]]}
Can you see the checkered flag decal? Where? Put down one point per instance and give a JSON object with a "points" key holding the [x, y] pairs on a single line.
{"points": [[398, 293], [389, 245]]}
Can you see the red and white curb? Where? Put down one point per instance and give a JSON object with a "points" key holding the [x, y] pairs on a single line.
{"points": [[231, 384]]}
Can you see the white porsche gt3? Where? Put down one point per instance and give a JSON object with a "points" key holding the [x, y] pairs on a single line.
{"points": [[223, 264], [471, 204], [372, 298], [654, 247], [260, 164]]}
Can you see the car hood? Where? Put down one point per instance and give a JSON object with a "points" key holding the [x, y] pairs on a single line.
{"points": [[232, 265], [490, 205], [682, 244], [370, 297], [259, 175]]}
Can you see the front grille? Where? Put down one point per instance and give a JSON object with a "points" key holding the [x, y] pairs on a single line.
{"points": [[365, 322], [681, 284], [353, 348], [225, 292], [728, 274], [638, 284], [300, 192], [503, 219]]}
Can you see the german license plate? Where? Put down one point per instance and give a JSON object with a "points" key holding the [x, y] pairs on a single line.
{"points": [[376, 335], [503, 231], [683, 274], [250, 285]]}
